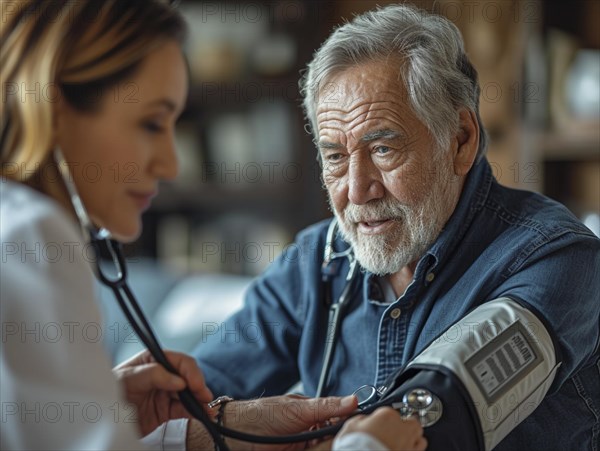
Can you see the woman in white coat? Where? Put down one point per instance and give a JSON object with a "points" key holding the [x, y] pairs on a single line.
{"points": [[97, 86]]}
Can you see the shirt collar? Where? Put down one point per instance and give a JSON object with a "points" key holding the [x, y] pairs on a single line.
{"points": [[473, 197]]}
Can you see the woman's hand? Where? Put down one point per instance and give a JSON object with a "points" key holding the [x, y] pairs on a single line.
{"points": [[153, 390], [387, 426], [282, 415]]}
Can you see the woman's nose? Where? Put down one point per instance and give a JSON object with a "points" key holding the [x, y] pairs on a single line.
{"points": [[165, 165]]}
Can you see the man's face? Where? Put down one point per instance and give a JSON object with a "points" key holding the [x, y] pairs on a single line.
{"points": [[390, 186]]}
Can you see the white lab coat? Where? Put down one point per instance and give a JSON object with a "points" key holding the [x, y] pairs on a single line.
{"points": [[57, 388]]}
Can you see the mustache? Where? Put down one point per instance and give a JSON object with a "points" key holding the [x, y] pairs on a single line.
{"points": [[375, 210]]}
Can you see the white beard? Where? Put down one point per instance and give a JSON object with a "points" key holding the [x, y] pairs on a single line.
{"points": [[414, 231]]}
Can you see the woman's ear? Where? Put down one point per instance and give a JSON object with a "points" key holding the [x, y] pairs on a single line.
{"points": [[63, 117], [58, 117], [467, 142]]}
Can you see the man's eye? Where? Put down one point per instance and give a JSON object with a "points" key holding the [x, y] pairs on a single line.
{"points": [[334, 157], [382, 150]]}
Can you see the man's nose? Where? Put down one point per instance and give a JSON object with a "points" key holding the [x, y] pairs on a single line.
{"points": [[364, 180]]}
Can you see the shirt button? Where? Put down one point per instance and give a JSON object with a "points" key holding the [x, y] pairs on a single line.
{"points": [[395, 314], [430, 277]]}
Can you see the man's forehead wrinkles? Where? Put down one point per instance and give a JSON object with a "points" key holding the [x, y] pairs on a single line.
{"points": [[331, 128], [353, 92], [379, 114], [365, 121], [348, 105], [357, 117], [341, 111]]}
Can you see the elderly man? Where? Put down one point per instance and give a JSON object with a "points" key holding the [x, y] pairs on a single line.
{"points": [[494, 290]]}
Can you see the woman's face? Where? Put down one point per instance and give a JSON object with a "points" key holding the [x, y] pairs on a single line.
{"points": [[118, 154]]}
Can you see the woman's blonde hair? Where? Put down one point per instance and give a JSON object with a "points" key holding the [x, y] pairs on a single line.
{"points": [[74, 49]]}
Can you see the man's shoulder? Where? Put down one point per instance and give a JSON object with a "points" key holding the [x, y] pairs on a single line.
{"points": [[527, 210], [314, 235], [309, 244]]}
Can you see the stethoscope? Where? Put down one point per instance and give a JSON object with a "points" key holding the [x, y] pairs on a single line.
{"points": [[101, 240], [329, 268], [418, 402]]}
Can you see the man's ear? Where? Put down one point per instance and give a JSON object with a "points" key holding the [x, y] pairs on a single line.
{"points": [[467, 142]]}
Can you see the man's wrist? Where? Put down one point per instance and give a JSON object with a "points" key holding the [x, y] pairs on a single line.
{"points": [[217, 410], [217, 407], [197, 436], [232, 419]]}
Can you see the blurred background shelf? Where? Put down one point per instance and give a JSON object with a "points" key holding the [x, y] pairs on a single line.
{"points": [[577, 146], [173, 198]]}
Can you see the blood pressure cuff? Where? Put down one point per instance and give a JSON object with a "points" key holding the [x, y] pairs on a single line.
{"points": [[490, 370]]}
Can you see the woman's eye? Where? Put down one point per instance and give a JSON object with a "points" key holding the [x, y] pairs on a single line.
{"points": [[153, 127]]}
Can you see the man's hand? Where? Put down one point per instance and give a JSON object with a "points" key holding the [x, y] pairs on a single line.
{"points": [[153, 390], [282, 415], [387, 426]]}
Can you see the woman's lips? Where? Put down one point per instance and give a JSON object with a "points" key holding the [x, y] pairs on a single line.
{"points": [[374, 227], [142, 199]]}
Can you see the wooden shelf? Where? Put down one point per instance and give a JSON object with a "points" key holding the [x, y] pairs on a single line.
{"points": [[578, 145], [212, 196]]}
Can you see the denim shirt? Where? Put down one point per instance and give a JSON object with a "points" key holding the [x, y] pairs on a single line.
{"points": [[499, 242]]}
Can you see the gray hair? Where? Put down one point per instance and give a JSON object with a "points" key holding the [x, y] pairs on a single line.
{"points": [[438, 76]]}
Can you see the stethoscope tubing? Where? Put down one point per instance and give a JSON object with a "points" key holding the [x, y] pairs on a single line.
{"points": [[134, 314], [336, 312], [142, 328]]}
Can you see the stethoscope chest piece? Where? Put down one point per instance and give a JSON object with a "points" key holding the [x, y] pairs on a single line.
{"points": [[422, 404], [418, 403], [366, 395]]}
